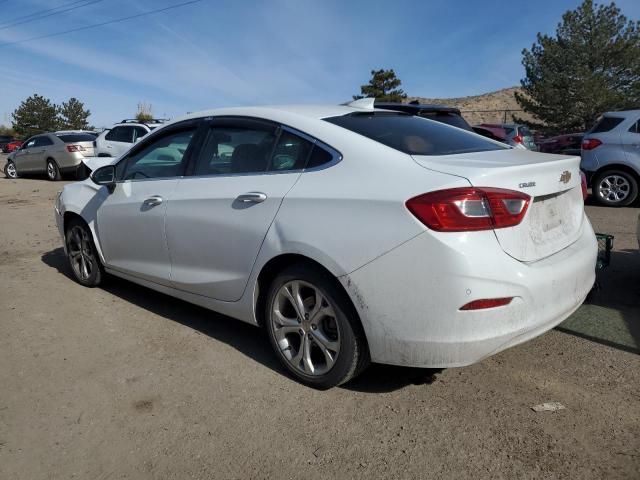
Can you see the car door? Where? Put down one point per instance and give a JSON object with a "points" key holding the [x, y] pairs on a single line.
{"points": [[22, 156], [119, 139], [40, 153], [221, 211], [631, 143], [131, 220]]}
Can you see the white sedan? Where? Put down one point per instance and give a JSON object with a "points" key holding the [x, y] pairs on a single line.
{"points": [[351, 234]]}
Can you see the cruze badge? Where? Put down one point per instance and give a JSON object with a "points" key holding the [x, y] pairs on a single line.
{"points": [[565, 177], [527, 185]]}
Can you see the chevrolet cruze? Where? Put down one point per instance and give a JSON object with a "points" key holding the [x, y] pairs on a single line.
{"points": [[350, 234]]}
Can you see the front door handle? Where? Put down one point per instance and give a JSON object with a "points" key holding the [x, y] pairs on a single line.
{"points": [[152, 201], [251, 197]]}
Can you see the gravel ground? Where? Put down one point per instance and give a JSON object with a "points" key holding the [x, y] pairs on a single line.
{"points": [[122, 382]]}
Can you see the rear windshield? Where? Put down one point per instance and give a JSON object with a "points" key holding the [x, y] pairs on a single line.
{"points": [[449, 118], [76, 137], [414, 135], [606, 124]]}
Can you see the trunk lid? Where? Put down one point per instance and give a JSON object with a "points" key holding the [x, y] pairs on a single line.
{"points": [[554, 218]]}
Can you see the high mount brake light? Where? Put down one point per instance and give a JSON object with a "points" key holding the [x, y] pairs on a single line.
{"points": [[469, 208]]}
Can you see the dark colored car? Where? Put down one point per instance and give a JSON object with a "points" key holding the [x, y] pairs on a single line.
{"points": [[498, 134], [439, 113], [563, 144], [4, 140]]}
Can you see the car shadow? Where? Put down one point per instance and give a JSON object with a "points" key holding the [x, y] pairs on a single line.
{"points": [[611, 315], [247, 339]]}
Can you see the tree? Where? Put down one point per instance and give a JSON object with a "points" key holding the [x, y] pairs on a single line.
{"points": [[35, 115], [144, 112], [4, 130], [590, 66], [382, 86], [73, 115]]}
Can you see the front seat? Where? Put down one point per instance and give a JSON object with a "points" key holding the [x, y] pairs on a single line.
{"points": [[248, 157]]}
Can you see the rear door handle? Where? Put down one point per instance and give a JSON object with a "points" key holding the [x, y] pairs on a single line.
{"points": [[252, 197], [152, 201]]}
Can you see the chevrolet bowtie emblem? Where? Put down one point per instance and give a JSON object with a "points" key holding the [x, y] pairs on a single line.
{"points": [[565, 176]]}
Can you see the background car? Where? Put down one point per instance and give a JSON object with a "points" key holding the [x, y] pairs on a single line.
{"points": [[611, 158], [568, 144], [264, 214], [54, 154], [4, 140], [11, 146], [516, 135], [494, 133], [116, 140]]}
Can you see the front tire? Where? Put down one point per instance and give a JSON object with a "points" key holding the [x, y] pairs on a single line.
{"points": [[82, 254], [615, 188], [10, 170], [53, 172], [313, 327]]}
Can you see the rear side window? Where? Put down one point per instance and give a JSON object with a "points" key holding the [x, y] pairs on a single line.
{"points": [[120, 134], [414, 135], [319, 156], [291, 153], [606, 124], [43, 142], [76, 137], [635, 128]]}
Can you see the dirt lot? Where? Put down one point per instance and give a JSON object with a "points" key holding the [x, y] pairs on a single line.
{"points": [[122, 382]]}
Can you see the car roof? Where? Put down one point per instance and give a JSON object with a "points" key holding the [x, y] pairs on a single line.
{"points": [[622, 113]]}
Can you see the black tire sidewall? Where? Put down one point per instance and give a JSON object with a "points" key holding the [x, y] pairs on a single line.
{"points": [[55, 166], [633, 195], [352, 344], [97, 274]]}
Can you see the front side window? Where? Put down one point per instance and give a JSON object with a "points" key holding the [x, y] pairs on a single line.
{"points": [[29, 143], [120, 134], [164, 157], [414, 135], [235, 149]]}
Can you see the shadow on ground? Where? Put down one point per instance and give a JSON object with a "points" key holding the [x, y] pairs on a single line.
{"points": [[611, 316], [247, 339]]}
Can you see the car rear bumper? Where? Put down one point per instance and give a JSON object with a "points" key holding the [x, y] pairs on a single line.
{"points": [[409, 299]]}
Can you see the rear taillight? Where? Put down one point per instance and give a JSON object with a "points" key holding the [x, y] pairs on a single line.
{"points": [[590, 143], [75, 148], [487, 303], [518, 138], [469, 208], [583, 184]]}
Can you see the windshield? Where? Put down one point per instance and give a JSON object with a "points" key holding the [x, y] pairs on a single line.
{"points": [[414, 135]]}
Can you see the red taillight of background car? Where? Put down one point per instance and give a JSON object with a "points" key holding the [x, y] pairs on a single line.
{"points": [[583, 184], [469, 208], [590, 143], [518, 138], [75, 148]]}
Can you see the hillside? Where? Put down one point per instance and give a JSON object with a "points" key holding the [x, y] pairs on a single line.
{"points": [[488, 107]]}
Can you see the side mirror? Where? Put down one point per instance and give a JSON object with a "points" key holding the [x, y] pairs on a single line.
{"points": [[105, 176]]}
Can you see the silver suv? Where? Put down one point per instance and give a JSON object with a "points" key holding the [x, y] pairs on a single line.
{"points": [[116, 140], [611, 158]]}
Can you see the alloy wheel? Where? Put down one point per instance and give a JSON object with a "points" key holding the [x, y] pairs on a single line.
{"points": [[305, 328], [51, 170], [81, 253], [614, 188], [11, 170]]}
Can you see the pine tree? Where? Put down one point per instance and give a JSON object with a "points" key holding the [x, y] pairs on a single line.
{"points": [[35, 115], [382, 86], [73, 115]]}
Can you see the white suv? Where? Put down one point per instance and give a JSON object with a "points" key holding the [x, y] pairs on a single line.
{"points": [[116, 140]]}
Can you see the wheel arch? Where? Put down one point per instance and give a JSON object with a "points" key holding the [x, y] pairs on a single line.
{"points": [[70, 215], [615, 166]]}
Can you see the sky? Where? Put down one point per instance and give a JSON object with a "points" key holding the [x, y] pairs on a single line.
{"points": [[218, 53]]}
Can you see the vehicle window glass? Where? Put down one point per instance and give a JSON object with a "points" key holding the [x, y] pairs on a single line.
{"points": [[76, 137], [449, 118], [525, 132], [291, 153], [230, 149], [30, 143], [138, 132], [606, 124], [319, 156], [120, 134], [43, 142], [414, 135], [509, 130], [635, 128], [161, 158]]}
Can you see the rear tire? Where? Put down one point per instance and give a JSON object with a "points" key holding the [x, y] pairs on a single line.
{"points": [[10, 170], [82, 254], [320, 340], [615, 188], [53, 172]]}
